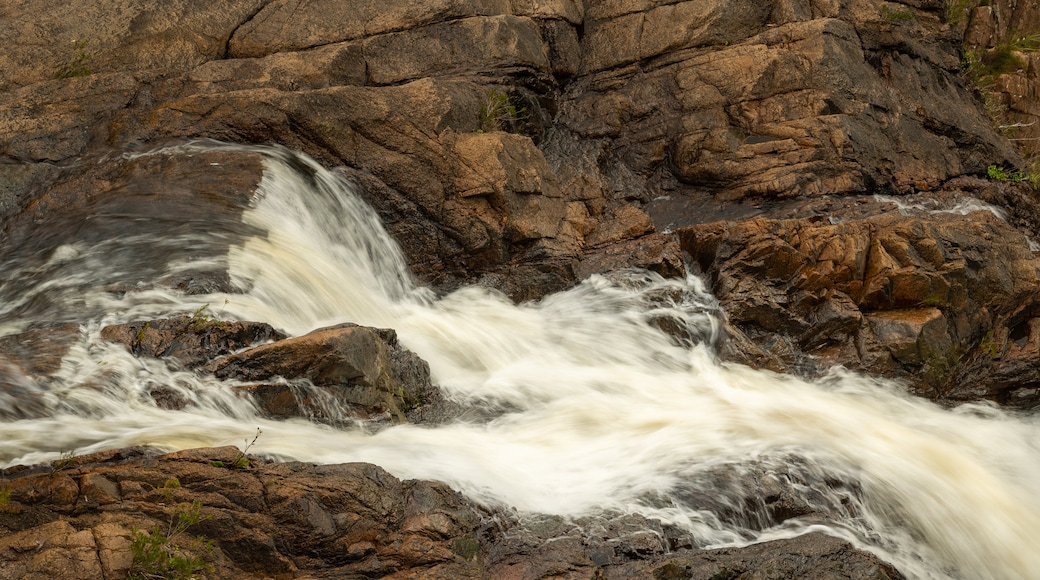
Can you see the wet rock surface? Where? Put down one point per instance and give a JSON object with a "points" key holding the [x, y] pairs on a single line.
{"points": [[914, 294], [191, 341], [362, 371], [79, 518], [28, 360], [338, 374]]}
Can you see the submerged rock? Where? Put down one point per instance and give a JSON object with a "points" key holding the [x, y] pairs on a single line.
{"points": [[28, 361], [38, 352]]}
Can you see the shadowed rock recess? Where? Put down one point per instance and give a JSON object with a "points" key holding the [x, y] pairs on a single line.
{"points": [[818, 161]]}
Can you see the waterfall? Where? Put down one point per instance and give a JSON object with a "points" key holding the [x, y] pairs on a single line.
{"points": [[592, 406]]}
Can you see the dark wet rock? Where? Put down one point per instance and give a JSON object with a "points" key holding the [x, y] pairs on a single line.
{"points": [[755, 495], [191, 340], [103, 216], [359, 369], [634, 547], [812, 556], [657, 252], [39, 351], [28, 361]]}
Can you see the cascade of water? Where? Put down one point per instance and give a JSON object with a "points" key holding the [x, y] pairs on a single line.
{"points": [[597, 408]]}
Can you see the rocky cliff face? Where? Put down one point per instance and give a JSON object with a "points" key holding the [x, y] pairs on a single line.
{"points": [[527, 144], [624, 117]]}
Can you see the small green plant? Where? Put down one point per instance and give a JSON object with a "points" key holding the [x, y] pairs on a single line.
{"points": [[998, 173], [466, 547], [989, 346], [64, 461], [198, 320], [934, 300], [165, 554], [5, 497], [1002, 59], [957, 12], [896, 15], [168, 488], [498, 113], [77, 67], [241, 461], [982, 67], [201, 321]]}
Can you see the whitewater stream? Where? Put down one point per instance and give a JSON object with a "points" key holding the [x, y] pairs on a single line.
{"points": [[589, 407]]}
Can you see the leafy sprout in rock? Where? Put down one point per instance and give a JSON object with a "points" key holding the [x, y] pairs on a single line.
{"points": [[240, 460], [78, 66], [64, 461], [167, 553], [499, 113], [999, 173], [896, 15]]}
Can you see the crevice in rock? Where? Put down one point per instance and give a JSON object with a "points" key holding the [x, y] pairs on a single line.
{"points": [[226, 53]]}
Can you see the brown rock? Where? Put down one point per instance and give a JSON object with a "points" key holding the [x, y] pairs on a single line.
{"points": [[656, 252], [191, 341], [113, 543], [54, 549], [632, 547], [504, 180], [348, 520], [97, 489], [361, 368], [913, 293], [285, 25], [911, 335], [778, 102], [57, 490], [466, 44]]}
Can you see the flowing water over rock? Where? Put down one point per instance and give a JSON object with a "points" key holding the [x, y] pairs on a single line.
{"points": [[605, 397]]}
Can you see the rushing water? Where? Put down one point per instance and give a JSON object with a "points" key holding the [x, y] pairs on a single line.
{"points": [[595, 407]]}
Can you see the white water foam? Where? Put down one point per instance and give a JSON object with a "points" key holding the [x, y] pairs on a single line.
{"points": [[597, 409], [961, 206]]}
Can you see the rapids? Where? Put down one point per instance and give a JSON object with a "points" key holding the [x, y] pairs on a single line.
{"points": [[592, 407]]}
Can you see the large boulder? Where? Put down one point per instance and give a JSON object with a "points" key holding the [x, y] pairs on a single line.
{"points": [[363, 370]]}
